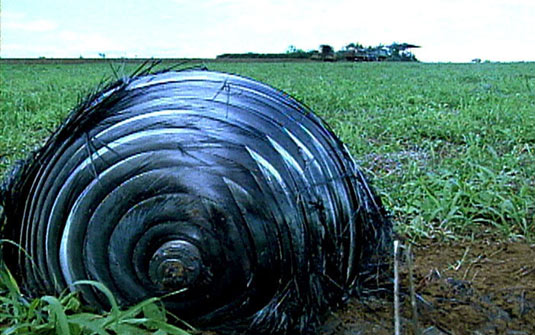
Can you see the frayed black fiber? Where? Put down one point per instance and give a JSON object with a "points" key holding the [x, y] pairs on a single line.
{"points": [[200, 181]]}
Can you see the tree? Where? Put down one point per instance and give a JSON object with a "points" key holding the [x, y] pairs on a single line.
{"points": [[326, 50], [291, 49], [327, 53], [353, 46]]}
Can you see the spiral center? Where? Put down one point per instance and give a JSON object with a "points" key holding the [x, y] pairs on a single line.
{"points": [[175, 265]]}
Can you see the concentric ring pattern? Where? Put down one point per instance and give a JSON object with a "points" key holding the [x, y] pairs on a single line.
{"points": [[199, 181]]}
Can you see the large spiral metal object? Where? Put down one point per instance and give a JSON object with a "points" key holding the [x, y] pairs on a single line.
{"points": [[199, 181]]}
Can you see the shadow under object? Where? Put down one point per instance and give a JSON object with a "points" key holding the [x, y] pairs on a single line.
{"points": [[203, 181]]}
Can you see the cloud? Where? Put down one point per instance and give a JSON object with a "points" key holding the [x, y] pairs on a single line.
{"points": [[20, 22], [33, 26], [452, 30], [88, 41]]}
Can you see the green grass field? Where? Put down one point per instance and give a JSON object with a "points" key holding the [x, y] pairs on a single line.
{"points": [[449, 147]]}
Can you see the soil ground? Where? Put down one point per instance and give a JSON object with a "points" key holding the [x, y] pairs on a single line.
{"points": [[482, 287]]}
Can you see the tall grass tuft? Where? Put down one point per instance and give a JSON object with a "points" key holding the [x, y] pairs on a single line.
{"points": [[67, 315]]}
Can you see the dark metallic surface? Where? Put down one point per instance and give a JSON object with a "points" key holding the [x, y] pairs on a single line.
{"points": [[203, 181], [175, 265]]}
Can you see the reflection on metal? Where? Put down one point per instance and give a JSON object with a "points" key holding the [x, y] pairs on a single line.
{"points": [[202, 181]]}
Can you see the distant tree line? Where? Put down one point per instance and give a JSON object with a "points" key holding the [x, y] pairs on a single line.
{"points": [[351, 52], [295, 55]]}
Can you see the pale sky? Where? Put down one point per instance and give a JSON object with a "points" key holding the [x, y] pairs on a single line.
{"points": [[448, 31]]}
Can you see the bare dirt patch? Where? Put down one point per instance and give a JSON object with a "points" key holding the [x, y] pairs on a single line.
{"points": [[482, 287]]}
